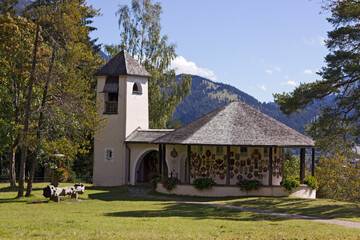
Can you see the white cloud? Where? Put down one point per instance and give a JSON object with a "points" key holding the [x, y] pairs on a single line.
{"points": [[291, 83], [255, 59], [181, 65], [308, 72], [309, 42], [286, 77], [319, 40], [262, 87], [274, 69]]}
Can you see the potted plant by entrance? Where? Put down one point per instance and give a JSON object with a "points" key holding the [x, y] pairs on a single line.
{"points": [[311, 182], [170, 182], [154, 180], [59, 174], [290, 183]]}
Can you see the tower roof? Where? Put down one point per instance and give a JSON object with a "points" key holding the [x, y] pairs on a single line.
{"points": [[236, 124], [122, 64]]}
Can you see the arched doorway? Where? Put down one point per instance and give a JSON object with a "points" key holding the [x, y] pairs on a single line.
{"points": [[148, 166]]}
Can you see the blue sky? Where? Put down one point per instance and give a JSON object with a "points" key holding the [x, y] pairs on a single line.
{"points": [[259, 46]]}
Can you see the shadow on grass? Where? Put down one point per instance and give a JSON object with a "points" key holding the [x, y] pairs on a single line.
{"points": [[15, 189], [196, 212], [113, 194], [307, 207], [121, 193], [14, 200]]}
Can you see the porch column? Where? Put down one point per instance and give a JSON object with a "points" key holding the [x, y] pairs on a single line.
{"points": [[270, 165], [302, 164], [313, 162], [164, 160], [188, 164], [228, 165], [160, 161]]}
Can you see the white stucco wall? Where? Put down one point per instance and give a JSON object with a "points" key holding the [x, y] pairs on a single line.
{"points": [[137, 152], [110, 173], [174, 163], [132, 113], [137, 110]]}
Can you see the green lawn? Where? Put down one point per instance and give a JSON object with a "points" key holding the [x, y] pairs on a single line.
{"points": [[110, 213]]}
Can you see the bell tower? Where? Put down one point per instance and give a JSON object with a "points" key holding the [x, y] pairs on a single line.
{"points": [[122, 92]]}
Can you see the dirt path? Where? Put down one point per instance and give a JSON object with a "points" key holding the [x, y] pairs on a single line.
{"points": [[143, 192]]}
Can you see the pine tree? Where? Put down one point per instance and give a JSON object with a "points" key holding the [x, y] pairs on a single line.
{"points": [[338, 92]]}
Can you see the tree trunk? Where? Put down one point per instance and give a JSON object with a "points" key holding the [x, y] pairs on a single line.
{"points": [[38, 132], [27, 116], [11, 158], [31, 173]]}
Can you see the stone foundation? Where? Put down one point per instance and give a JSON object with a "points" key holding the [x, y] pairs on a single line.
{"points": [[232, 191]]}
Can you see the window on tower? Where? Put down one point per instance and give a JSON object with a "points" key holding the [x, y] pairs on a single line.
{"points": [[109, 154], [111, 90], [137, 88]]}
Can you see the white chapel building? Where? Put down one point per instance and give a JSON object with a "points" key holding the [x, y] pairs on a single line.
{"points": [[230, 143]]}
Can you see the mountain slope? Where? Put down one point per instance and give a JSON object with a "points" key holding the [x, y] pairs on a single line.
{"points": [[207, 95]]}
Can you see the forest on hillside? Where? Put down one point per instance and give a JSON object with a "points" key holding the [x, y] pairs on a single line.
{"points": [[206, 96]]}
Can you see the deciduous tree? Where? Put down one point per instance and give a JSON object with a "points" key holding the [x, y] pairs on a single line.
{"points": [[67, 116], [17, 36], [338, 178], [141, 31], [57, 114]]}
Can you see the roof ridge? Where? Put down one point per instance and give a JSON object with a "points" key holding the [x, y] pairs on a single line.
{"points": [[192, 122], [122, 64], [236, 123], [155, 130]]}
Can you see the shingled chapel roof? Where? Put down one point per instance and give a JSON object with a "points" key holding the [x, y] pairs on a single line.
{"points": [[235, 124], [147, 135], [122, 64]]}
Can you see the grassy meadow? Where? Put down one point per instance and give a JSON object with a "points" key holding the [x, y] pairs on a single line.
{"points": [[112, 213]]}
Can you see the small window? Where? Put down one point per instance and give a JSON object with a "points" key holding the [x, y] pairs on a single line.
{"points": [[137, 88], [111, 90], [109, 154], [113, 96], [111, 103]]}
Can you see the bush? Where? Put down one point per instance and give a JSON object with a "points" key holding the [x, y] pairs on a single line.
{"points": [[290, 183], [170, 182], [154, 180], [311, 182], [202, 183], [249, 185], [338, 178]]}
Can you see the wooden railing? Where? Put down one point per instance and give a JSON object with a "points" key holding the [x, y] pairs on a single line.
{"points": [[111, 106]]}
